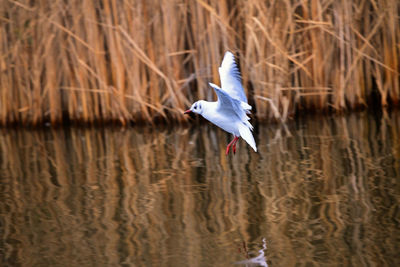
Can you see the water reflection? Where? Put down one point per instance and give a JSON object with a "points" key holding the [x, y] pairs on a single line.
{"points": [[323, 192], [259, 260]]}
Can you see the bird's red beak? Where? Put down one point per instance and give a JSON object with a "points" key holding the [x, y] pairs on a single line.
{"points": [[187, 111]]}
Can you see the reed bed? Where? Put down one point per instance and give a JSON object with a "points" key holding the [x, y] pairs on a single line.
{"points": [[131, 61]]}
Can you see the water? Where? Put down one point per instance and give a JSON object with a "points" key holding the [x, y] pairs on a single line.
{"points": [[320, 192]]}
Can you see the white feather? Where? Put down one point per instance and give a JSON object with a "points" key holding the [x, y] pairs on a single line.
{"points": [[246, 107], [231, 81], [245, 133]]}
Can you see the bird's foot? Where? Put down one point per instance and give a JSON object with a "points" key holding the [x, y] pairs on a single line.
{"points": [[233, 143], [227, 150]]}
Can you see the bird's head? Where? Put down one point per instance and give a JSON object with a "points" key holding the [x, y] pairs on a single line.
{"points": [[197, 107]]}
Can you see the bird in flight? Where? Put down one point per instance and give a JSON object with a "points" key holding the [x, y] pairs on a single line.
{"points": [[230, 111]]}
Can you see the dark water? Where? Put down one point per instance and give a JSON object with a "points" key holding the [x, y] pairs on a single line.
{"points": [[320, 192]]}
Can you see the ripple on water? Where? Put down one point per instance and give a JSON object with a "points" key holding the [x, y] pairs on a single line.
{"points": [[325, 191]]}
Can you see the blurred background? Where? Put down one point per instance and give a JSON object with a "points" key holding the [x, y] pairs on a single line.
{"points": [[130, 61], [322, 190]]}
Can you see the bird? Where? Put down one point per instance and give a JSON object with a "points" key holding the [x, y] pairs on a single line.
{"points": [[230, 111]]}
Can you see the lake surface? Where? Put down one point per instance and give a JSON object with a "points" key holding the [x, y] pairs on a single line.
{"points": [[321, 191]]}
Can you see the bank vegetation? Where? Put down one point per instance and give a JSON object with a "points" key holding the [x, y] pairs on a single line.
{"points": [[131, 61]]}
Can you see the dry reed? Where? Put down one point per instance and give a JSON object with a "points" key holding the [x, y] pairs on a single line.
{"points": [[144, 60]]}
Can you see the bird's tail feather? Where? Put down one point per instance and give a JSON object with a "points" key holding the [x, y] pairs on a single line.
{"points": [[246, 134]]}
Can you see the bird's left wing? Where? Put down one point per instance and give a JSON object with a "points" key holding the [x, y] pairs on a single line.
{"points": [[231, 81], [227, 103]]}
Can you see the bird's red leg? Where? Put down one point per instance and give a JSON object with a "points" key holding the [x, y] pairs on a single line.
{"points": [[229, 145], [234, 144]]}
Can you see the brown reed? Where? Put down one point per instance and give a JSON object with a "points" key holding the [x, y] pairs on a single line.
{"points": [[145, 60]]}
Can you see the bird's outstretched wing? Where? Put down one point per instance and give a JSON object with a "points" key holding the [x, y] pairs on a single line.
{"points": [[228, 104], [231, 81]]}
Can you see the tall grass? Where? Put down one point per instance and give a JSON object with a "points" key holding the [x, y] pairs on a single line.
{"points": [[145, 60]]}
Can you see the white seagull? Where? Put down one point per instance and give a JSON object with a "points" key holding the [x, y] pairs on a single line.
{"points": [[229, 111]]}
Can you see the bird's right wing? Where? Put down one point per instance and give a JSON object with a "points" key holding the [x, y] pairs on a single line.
{"points": [[231, 81]]}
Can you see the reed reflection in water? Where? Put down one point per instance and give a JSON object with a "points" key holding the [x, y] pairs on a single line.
{"points": [[324, 191]]}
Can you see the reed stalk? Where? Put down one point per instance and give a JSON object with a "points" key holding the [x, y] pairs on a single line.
{"points": [[130, 61]]}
